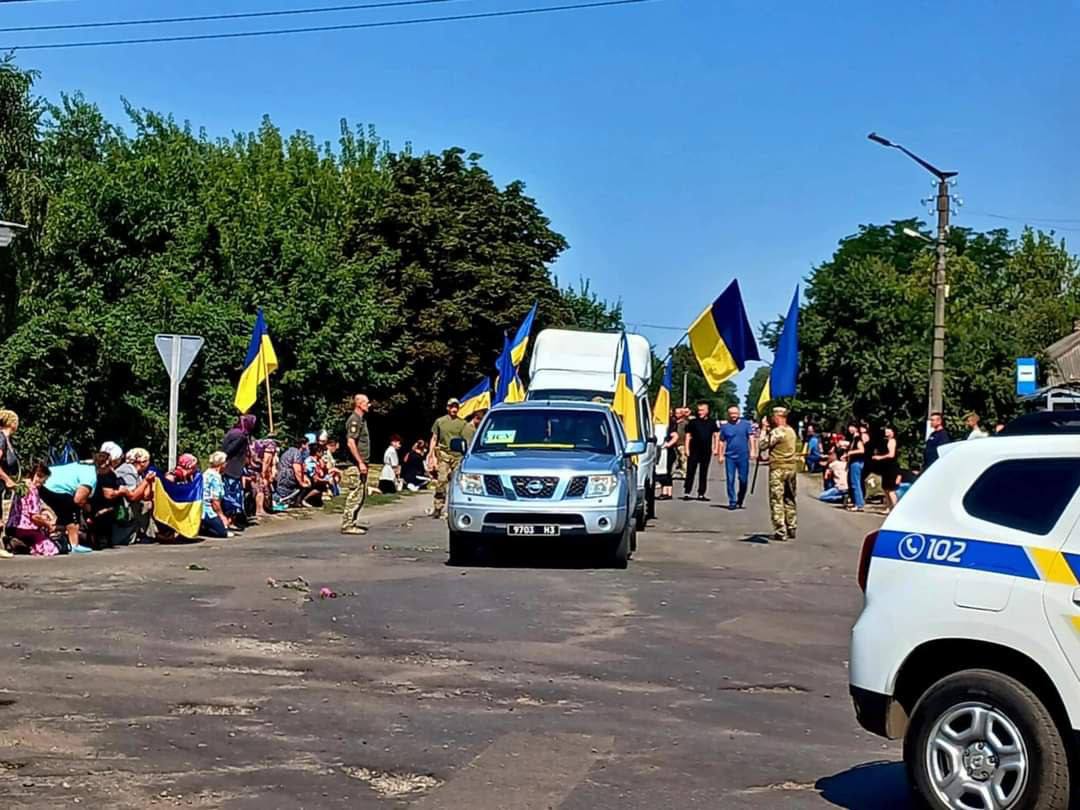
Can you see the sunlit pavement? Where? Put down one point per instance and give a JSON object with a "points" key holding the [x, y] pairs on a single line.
{"points": [[712, 673]]}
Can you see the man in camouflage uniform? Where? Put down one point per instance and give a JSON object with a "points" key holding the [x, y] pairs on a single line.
{"points": [[783, 472], [358, 440], [446, 461]]}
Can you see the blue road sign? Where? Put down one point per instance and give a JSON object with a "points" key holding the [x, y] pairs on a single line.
{"points": [[1026, 382]]}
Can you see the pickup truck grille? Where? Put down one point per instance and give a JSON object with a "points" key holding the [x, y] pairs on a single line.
{"points": [[527, 486], [493, 486], [577, 486]]}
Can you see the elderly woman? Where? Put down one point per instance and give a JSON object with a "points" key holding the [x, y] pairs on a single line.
{"points": [[215, 523], [137, 480], [9, 459], [237, 448]]}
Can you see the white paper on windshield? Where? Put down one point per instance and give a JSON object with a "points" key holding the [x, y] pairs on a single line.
{"points": [[500, 437]]}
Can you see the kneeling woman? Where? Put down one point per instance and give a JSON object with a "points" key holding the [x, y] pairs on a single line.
{"points": [[67, 492], [215, 523]]}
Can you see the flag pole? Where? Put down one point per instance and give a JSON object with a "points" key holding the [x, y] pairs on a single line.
{"points": [[269, 401]]}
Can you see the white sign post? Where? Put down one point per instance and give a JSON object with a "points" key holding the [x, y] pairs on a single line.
{"points": [[177, 353]]}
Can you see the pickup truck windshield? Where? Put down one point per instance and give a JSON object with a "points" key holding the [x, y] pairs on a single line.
{"points": [[552, 429]]}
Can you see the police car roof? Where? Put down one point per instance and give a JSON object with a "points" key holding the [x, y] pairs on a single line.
{"points": [[1044, 422], [550, 404]]}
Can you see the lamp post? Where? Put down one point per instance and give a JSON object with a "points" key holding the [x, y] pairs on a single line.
{"points": [[943, 199], [8, 232]]}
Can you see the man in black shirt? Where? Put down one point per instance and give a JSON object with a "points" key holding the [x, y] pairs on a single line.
{"points": [[938, 436], [700, 447]]}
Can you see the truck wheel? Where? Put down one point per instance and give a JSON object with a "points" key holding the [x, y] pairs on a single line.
{"points": [[980, 739], [462, 549], [639, 518], [620, 553]]}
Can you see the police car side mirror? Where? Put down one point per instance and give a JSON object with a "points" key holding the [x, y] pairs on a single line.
{"points": [[459, 446], [634, 448]]}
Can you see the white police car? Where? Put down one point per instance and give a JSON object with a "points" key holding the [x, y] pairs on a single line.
{"points": [[968, 645]]}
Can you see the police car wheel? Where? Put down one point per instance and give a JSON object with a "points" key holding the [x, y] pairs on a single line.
{"points": [[980, 740]]}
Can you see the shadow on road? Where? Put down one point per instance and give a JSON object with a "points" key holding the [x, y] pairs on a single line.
{"points": [[553, 555], [872, 786], [756, 538]]}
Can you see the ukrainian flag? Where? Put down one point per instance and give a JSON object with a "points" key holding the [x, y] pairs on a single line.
{"points": [[662, 409], [785, 367], [721, 338], [260, 361], [508, 386], [521, 338], [478, 399], [179, 506], [625, 403]]}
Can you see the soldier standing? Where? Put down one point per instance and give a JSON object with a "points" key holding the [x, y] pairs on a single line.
{"points": [[783, 472], [473, 424], [358, 440], [444, 459]]}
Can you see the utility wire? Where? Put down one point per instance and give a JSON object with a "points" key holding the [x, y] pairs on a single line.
{"points": [[242, 15], [327, 28], [1050, 220]]}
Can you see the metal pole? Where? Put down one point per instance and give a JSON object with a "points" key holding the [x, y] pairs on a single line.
{"points": [[685, 382], [937, 352], [174, 399]]}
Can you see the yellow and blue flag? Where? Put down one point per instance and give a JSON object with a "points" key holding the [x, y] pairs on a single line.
{"points": [[478, 399], [260, 361], [662, 409], [625, 403], [508, 386], [721, 338], [520, 343], [179, 506], [785, 367]]}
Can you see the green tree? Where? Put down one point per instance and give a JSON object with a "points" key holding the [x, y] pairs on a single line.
{"points": [[379, 270]]}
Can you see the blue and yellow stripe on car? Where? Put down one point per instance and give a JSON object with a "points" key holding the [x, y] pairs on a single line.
{"points": [[1009, 559]]}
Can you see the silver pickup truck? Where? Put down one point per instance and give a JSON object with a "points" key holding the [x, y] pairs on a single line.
{"points": [[539, 470]]}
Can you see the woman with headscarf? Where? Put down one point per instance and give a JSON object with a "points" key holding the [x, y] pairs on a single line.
{"points": [[9, 460], [237, 449]]}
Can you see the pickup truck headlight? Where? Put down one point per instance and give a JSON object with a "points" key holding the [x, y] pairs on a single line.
{"points": [[601, 486], [471, 483]]}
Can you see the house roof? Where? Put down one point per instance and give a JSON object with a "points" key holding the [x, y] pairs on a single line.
{"points": [[1058, 349]]}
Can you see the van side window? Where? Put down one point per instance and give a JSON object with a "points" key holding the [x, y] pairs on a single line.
{"points": [[1025, 494]]}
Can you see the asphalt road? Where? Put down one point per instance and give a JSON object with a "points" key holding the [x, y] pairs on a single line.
{"points": [[710, 674]]}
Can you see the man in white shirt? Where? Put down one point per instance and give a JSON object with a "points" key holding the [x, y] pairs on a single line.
{"points": [[972, 421]]}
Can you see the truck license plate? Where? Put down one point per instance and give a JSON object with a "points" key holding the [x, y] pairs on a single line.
{"points": [[528, 531]]}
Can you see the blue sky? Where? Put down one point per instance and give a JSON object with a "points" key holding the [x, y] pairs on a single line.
{"points": [[677, 144]]}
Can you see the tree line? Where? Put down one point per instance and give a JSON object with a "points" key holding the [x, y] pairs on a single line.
{"points": [[867, 314], [378, 269]]}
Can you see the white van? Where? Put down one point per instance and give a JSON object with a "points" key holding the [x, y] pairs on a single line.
{"points": [[581, 366]]}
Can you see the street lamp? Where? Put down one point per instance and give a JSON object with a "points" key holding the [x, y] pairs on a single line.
{"points": [[8, 232], [937, 352]]}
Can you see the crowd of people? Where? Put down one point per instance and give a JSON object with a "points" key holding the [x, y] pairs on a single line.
{"points": [[75, 506], [851, 461]]}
